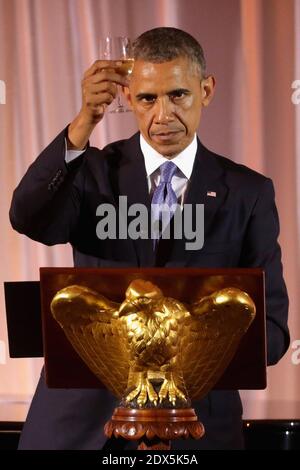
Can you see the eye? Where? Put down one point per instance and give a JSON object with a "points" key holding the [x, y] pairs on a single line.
{"points": [[178, 95], [146, 99]]}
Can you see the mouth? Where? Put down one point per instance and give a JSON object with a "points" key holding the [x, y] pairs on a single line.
{"points": [[165, 136]]}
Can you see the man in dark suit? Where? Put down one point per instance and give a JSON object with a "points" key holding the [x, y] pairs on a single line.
{"points": [[57, 200]]}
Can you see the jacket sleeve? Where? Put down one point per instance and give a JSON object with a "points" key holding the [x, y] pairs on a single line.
{"points": [[46, 204], [261, 249]]}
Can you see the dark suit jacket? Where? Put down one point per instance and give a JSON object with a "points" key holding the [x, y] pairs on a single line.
{"points": [[55, 203]]}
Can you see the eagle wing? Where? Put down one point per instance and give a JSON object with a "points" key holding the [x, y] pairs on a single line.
{"points": [[211, 335], [90, 322]]}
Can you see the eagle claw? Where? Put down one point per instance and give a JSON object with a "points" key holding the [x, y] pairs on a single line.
{"points": [[169, 388], [143, 391]]}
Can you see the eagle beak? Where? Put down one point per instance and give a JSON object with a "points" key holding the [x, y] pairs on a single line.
{"points": [[127, 307]]}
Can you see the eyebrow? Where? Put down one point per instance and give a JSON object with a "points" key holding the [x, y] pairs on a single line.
{"points": [[140, 96]]}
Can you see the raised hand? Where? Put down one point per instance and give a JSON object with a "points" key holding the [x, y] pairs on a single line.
{"points": [[99, 89]]}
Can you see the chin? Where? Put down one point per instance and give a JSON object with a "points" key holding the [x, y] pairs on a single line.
{"points": [[170, 150]]}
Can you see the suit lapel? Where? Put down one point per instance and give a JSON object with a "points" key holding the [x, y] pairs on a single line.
{"points": [[132, 182], [206, 187]]}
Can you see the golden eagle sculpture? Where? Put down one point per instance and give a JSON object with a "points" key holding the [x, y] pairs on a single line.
{"points": [[152, 350]]}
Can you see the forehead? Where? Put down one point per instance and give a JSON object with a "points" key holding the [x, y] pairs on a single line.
{"points": [[177, 73]]}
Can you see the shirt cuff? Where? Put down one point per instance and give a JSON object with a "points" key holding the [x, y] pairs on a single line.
{"points": [[71, 155]]}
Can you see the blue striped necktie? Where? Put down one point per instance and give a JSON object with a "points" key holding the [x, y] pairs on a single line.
{"points": [[164, 201]]}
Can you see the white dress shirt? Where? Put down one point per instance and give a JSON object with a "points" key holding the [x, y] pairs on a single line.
{"points": [[184, 162], [153, 160]]}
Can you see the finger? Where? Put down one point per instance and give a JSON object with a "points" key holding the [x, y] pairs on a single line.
{"points": [[99, 65], [90, 71], [108, 75], [97, 100], [102, 87], [102, 109], [99, 110]]}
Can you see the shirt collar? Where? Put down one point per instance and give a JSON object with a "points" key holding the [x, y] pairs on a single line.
{"points": [[184, 160]]}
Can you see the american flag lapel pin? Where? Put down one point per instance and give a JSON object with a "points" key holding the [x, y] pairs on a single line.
{"points": [[211, 193]]}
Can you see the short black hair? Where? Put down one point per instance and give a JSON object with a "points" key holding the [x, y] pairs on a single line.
{"points": [[164, 44]]}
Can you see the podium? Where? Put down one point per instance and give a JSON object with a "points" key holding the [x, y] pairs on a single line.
{"points": [[33, 332]]}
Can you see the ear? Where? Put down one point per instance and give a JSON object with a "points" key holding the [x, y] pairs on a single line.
{"points": [[207, 89], [127, 95]]}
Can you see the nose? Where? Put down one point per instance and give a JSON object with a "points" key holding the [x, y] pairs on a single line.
{"points": [[164, 110]]}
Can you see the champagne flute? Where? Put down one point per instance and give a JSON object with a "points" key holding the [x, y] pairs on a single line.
{"points": [[118, 49]]}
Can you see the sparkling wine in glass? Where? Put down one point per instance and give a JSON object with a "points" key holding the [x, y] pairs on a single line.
{"points": [[118, 48]]}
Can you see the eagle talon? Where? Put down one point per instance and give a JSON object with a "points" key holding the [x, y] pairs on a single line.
{"points": [[144, 392], [169, 388]]}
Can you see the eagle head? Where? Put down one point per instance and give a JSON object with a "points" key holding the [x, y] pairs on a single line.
{"points": [[140, 295]]}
